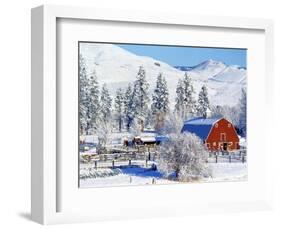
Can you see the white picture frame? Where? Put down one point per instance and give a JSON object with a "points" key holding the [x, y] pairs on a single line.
{"points": [[46, 183]]}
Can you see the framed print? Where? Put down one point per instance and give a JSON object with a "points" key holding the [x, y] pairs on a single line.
{"points": [[135, 112], [132, 110]]}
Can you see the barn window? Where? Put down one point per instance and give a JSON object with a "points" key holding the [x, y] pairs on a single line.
{"points": [[223, 137], [208, 145], [216, 125], [229, 125], [214, 143]]}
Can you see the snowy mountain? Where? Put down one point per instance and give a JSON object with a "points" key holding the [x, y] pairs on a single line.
{"points": [[117, 68], [208, 68]]}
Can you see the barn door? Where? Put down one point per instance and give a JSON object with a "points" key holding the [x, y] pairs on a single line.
{"points": [[224, 147]]}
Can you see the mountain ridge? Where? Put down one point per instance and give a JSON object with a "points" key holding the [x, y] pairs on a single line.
{"points": [[117, 67]]}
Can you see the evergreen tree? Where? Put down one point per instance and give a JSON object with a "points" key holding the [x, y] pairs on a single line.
{"points": [[83, 95], [160, 101], [93, 102], [203, 102], [140, 97], [179, 99], [149, 120], [243, 113], [128, 107], [105, 104], [185, 103], [89, 98], [119, 108], [189, 103]]}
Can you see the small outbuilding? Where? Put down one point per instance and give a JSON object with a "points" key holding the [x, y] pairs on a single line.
{"points": [[216, 133]]}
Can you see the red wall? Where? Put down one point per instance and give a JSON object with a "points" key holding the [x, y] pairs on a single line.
{"points": [[216, 136]]}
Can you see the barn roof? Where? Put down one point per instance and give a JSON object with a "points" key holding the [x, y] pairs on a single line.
{"points": [[200, 126]]}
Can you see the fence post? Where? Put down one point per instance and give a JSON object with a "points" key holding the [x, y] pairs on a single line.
{"points": [[130, 162], [216, 158], [96, 164], [113, 164], [146, 162], [229, 158], [243, 159]]}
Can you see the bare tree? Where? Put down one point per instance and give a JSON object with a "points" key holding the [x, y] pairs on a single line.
{"points": [[185, 156], [104, 131], [173, 124]]}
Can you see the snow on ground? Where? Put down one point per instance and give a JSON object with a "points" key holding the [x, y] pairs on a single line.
{"points": [[228, 172], [127, 176], [243, 142], [145, 176]]}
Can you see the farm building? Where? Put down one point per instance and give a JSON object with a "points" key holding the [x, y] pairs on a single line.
{"points": [[147, 137], [216, 133]]}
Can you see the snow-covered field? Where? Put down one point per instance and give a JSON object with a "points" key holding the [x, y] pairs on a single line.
{"points": [[126, 176], [228, 172], [145, 176]]}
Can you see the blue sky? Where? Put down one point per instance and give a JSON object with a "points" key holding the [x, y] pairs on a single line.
{"points": [[189, 56]]}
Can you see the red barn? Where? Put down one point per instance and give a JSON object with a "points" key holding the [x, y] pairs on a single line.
{"points": [[216, 133]]}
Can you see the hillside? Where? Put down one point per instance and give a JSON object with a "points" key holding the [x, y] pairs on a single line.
{"points": [[117, 68]]}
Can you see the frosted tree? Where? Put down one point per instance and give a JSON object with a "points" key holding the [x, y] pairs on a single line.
{"points": [[136, 128], [179, 106], [128, 107], [93, 104], [105, 104], [243, 113], [184, 156], [119, 108], [231, 113], [173, 124], [160, 102], [203, 102], [83, 97], [189, 103], [185, 103], [104, 129], [140, 97], [149, 119]]}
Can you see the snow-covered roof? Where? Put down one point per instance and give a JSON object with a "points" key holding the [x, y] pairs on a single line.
{"points": [[201, 127], [148, 139], [202, 121], [146, 134]]}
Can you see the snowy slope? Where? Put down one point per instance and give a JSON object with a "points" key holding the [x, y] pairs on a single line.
{"points": [[230, 74], [117, 67], [207, 69]]}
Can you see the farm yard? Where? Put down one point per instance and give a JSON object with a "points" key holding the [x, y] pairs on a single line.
{"points": [[137, 165]]}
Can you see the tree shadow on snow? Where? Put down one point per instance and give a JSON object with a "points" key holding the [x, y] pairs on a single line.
{"points": [[142, 172]]}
